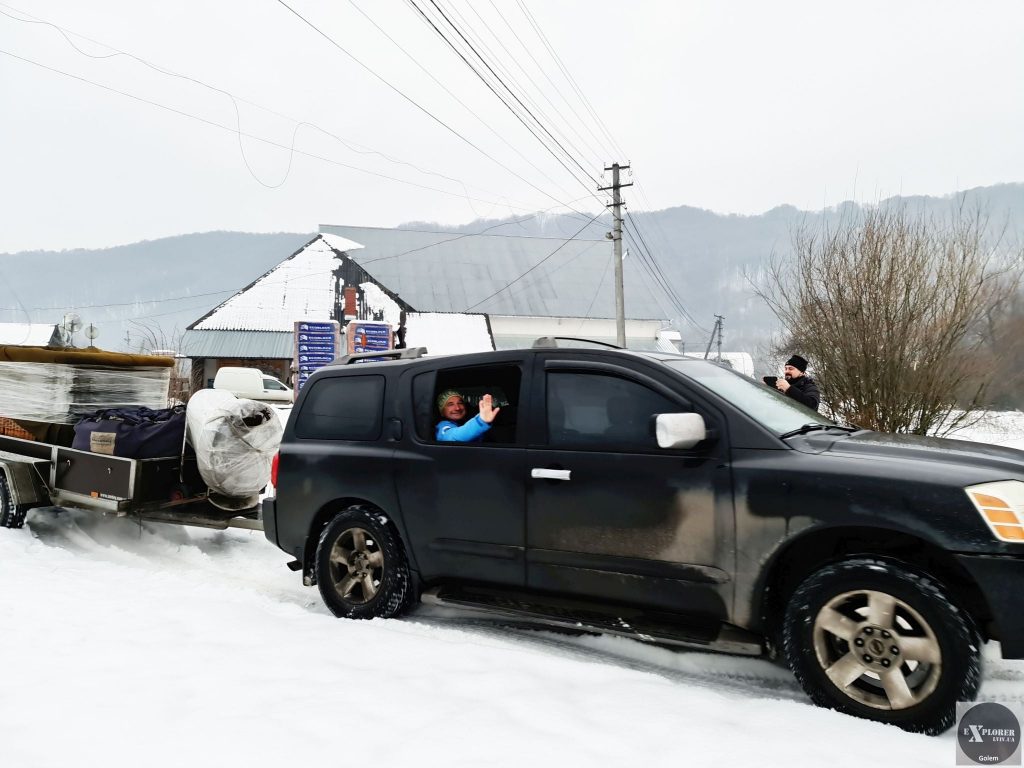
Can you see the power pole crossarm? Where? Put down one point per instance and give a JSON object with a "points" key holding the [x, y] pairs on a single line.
{"points": [[616, 206]]}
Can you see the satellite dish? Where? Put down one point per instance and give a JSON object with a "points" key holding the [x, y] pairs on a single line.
{"points": [[91, 331]]}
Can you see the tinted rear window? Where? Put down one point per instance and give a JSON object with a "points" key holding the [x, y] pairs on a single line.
{"points": [[342, 408]]}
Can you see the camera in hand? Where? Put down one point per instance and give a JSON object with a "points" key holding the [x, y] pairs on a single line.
{"points": [[770, 380]]}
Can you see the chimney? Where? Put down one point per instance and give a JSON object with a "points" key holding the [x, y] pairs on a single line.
{"points": [[350, 302]]}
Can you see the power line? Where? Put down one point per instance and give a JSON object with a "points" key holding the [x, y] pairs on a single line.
{"points": [[515, 61], [516, 280], [597, 292], [348, 144], [645, 258], [447, 90], [510, 91], [543, 71], [461, 235], [269, 142], [492, 88], [568, 76], [412, 101], [658, 274], [187, 297], [546, 275]]}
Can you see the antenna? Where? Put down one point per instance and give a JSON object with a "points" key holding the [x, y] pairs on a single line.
{"points": [[71, 324], [91, 332]]}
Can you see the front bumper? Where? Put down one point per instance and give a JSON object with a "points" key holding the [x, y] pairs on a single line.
{"points": [[1001, 580]]}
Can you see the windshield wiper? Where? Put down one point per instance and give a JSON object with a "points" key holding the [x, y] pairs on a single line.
{"points": [[814, 427]]}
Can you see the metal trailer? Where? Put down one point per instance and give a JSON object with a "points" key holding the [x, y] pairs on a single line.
{"points": [[165, 490]]}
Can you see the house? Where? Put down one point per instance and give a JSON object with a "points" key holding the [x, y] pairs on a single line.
{"points": [[449, 292], [30, 335]]}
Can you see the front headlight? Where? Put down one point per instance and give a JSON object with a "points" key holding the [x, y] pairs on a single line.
{"points": [[1002, 506]]}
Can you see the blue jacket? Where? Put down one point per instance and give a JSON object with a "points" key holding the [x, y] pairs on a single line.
{"points": [[470, 432]]}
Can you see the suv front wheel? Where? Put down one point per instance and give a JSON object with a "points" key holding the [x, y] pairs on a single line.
{"points": [[875, 639], [361, 568]]}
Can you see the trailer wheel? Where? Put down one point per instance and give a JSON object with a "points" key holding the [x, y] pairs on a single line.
{"points": [[11, 515], [361, 568]]}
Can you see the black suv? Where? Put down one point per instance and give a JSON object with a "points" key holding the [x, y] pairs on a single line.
{"points": [[666, 499]]}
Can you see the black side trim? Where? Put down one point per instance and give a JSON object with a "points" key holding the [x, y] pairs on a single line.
{"points": [[477, 548], [633, 566]]}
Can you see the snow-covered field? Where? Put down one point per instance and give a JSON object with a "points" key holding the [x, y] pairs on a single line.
{"points": [[129, 645]]}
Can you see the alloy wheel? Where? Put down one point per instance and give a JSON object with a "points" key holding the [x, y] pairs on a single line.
{"points": [[877, 649], [357, 565]]}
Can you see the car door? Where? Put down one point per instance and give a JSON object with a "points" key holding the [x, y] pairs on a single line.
{"points": [[609, 514], [464, 505]]}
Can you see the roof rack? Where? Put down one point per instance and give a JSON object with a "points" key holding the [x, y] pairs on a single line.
{"points": [[552, 341], [410, 353]]}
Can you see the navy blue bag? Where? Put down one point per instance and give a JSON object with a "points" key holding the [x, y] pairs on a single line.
{"points": [[134, 433]]}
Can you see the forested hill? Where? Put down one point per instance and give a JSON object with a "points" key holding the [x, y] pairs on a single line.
{"points": [[709, 259]]}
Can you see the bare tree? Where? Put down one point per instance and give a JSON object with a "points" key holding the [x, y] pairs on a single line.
{"points": [[151, 338], [1004, 354], [889, 307]]}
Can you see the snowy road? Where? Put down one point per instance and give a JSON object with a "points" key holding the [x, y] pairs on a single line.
{"points": [[153, 645]]}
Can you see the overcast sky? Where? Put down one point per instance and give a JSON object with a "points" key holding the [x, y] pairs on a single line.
{"points": [[732, 106]]}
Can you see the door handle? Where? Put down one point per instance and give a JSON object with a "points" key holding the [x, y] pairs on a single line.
{"points": [[551, 474]]}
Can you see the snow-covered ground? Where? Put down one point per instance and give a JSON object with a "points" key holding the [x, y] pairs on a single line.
{"points": [[149, 645], [1000, 427]]}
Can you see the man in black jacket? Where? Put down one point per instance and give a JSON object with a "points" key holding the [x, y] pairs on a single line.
{"points": [[798, 384]]}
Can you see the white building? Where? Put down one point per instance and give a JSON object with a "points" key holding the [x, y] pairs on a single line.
{"points": [[447, 292]]}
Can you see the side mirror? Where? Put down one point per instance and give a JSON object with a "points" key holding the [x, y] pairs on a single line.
{"points": [[680, 430]]}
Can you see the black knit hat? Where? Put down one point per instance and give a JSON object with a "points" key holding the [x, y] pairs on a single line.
{"points": [[797, 362]]}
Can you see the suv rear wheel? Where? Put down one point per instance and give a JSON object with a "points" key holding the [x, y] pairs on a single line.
{"points": [[361, 568], [875, 639]]}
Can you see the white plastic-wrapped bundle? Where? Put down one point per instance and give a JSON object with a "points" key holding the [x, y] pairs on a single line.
{"points": [[61, 385], [235, 441]]}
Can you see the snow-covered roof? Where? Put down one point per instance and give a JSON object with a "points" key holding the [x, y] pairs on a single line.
{"points": [[444, 333], [28, 334], [301, 287]]}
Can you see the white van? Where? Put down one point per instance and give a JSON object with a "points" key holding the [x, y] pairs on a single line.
{"points": [[251, 383]]}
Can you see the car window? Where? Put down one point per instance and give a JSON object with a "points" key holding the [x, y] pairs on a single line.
{"points": [[273, 384], [591, 410], [342, 408], [503, 381], [764, 404]]}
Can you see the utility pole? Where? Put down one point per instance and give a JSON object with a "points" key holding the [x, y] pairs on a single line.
{"points": [[616, 237], [715, 332], [721, 327]]}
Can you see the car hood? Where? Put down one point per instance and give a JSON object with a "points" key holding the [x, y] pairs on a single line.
{"points": [[880, 445]]}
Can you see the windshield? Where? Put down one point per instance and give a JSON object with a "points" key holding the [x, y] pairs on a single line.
{"points": [[762, 403]]}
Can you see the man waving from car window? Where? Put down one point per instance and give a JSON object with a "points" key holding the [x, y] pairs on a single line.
{"points": [[453, 411]]}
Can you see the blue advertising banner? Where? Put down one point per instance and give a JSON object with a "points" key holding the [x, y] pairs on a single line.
{"points": [[368, 336], [316, 345]]}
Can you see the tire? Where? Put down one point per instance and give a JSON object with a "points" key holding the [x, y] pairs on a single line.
{"points": [[361, 568], [11, 515], [916, 652]]}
